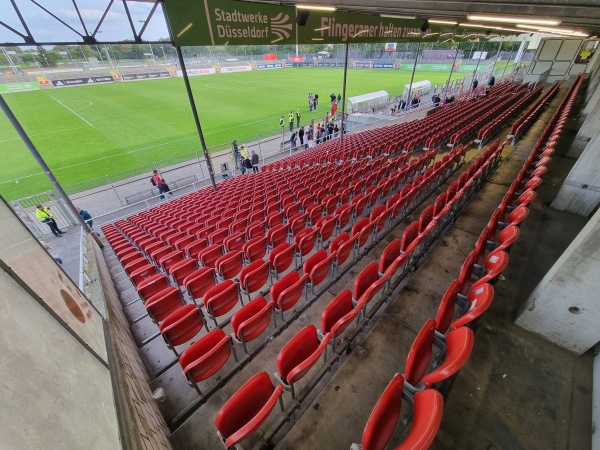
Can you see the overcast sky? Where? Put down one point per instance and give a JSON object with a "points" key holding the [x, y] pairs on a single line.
{"points": [[45, 28]]}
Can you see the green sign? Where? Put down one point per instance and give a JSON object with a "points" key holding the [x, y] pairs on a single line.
{"points": [[14, 87], [230, 22]]}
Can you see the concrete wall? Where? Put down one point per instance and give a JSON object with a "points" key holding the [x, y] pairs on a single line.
{"points": [[55, 394], [564, 306], [580, 192]]}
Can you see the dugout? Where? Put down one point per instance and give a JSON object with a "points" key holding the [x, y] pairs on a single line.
{"points": [[422, 87], [375, 99]]}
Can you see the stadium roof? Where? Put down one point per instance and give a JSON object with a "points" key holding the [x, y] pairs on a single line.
{"points": [[24, 22]]}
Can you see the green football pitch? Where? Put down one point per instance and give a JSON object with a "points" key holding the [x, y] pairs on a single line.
{"points": [[85, 133]]}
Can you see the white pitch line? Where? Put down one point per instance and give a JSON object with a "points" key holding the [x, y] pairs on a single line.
{"points": [[62, 104], [43, 134]]}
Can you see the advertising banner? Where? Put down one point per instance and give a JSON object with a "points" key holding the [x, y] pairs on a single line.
{"points": [[15, 87], [231, 69], [390, 46], [383, 65], [277, 65], [80, 81], [193, 72], [297, 59], [145, 76], [230, 22]]}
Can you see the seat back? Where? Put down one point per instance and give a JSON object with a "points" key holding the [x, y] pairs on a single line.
{"points": [[161, 305], [182, 325], [254, 276], [389, 254], [247, 409], [206, 356], [338, 314], [342, 216], [368, 276], [282, 256], [255, 248], [252, 319], [420, 353], [317, 267], [152, 285], [409, 235], [305, 241], [143, 272], [208, 257], [427, 417], [287, 291], [325, 227], [479, 299], [180, 271], [222, 298], [234, 242], [383, 419], [297, 356], [229, 265], [446, 309], [200, 282], [459, 344], [277, 235]]}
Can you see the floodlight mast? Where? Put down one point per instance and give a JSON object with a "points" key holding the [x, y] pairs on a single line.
{"points": [[40, 160]]}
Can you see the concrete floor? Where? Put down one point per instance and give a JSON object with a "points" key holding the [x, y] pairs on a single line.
{"points": [[517, 390]]}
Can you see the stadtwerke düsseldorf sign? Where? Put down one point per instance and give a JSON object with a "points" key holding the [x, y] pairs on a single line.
{"points": [[229, 22]]}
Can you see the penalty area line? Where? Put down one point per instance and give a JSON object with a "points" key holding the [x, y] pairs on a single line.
{"points": [[65, 106]]}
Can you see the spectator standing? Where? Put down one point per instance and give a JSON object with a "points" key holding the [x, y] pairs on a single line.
{"points": [[282, 123], [339, 98], [244, 152], [301, 135], [336, 131], [44, 215], [291, 120], [310, 102], [166, 189], [314, 104], [247, 164], [254, 161], [86, 216], [474, 84], [334, 108], [332, 97], [297, 117], [316, 100], [401, 104], [293, 140], [242, 165], [491, 81], [158, 181]]}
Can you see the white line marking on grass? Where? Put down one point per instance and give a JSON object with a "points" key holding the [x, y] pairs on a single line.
{"points": [[82, 101], [62, 104], [42, 134]]}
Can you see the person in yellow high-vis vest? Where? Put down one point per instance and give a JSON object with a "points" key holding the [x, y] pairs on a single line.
{"points": [[291, 119], [44, 215], [298, 118], [282, 123]]}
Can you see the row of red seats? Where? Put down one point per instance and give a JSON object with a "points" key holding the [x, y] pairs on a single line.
{"points": [[202, 282], [494, 127], [525, 121], [473, 293], [407, 136], [236, 420]]}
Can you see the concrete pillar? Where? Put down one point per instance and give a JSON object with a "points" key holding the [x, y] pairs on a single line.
{"points": [[564, 307], [580, 192], [591, 118]]}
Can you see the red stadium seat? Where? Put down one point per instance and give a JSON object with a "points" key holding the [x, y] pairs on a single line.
{"points": [[419, 355], [205, 357], [325, 227], [338, 314], [305, 242], [221, 299], [247, 409], [251, 321], [287, 291], [161, 305], [182, 269], [281, 258], [181, 326], [428, 409], [199, 283], [341, 247], [255, 249], [277, 235], [208, 257], [143, 272], [317, 267], [234, 242], [153, 285], [229, 265], [253, 277], [459, 343], [298, 356]]}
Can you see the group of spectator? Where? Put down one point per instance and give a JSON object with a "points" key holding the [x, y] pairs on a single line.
{"points": [[313, 101], [247, 161]]}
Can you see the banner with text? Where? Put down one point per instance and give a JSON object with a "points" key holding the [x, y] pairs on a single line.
{"points": [[230, 22]]}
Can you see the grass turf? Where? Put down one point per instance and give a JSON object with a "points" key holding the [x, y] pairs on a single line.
{"points": [[120, 129]]}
